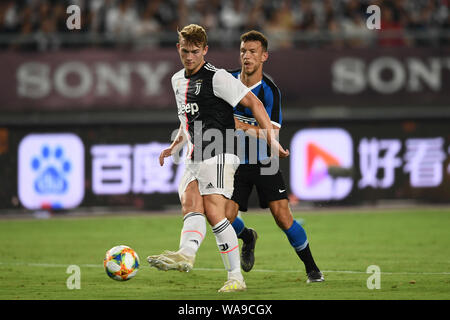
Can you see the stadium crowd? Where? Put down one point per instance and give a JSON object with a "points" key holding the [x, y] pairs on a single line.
{"points": [[41, 24]]}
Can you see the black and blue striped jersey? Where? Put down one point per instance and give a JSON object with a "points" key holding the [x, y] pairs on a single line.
{"points": [[270, 96]]}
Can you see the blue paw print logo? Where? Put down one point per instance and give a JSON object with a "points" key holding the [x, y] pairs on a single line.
{"points": [[51, 170]]}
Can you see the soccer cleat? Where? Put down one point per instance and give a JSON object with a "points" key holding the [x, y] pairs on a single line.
{"points": [[233, 285], [315, 276], [170, 260], [248, 252]]}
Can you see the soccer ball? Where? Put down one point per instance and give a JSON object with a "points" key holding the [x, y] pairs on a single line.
{"points": [[121, 263]]}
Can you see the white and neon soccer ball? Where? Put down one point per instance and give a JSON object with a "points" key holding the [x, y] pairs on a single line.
{"points": [[121, 263]]}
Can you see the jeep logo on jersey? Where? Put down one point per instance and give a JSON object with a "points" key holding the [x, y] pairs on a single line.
{"points": [[191, 108]]}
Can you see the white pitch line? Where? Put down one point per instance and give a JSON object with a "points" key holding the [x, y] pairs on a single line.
{"points": [[58, 265], [48, 265], [331, 271]]}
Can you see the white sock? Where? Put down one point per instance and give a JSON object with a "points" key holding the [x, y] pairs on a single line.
{"points": [[228, 245], [193, 233]]}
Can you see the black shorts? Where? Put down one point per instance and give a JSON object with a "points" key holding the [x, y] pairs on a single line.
{"points": [[269, 187]]}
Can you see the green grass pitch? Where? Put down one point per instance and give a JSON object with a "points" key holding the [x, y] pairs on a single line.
{"points": [[410, 246]]}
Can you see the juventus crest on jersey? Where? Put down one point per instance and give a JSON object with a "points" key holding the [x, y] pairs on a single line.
{"points": [[205, 101]]}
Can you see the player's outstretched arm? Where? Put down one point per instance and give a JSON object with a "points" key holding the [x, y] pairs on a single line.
{"points": [[178, 143], [259, 112]]}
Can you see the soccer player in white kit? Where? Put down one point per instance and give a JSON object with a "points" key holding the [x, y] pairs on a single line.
{"points": [[205, 98]]}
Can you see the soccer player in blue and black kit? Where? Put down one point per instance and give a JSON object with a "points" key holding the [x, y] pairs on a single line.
{"points": [[271, 189]]}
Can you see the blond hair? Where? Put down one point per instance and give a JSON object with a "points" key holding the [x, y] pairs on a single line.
{"points": [[193, 34]]}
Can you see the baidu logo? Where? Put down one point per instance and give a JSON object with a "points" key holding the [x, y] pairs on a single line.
{"points": [[51, 171]]}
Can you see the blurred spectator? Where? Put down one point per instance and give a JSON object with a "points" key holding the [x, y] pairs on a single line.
{"points": [[9, 17], [22, 41], [167, 14], [392, 30], [445, 36], [232, 17], [256, 18], [96, 15], [280, 26], [331, 25], [122, 20], [334, 31], [306, 16], [205, 13], [149, 22], [41, 24], [46, 37], [354, 27], [426, 20]]}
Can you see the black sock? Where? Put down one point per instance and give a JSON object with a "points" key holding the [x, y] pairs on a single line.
{"points": [[246, 235], [306, 256]]}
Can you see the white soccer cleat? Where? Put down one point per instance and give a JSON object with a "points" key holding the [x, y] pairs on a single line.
{"points": [[171, 260], [233, 285]]}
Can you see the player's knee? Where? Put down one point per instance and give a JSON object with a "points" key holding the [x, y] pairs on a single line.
{"points": [[193, 204], [188, 209], [191, 200], [285, 221], [282, 214]]}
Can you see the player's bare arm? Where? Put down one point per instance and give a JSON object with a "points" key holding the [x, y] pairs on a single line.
{"points": [[259, 112], [178, 143]]}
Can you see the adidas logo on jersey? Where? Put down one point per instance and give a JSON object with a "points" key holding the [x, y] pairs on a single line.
{"points": [[209, 186]]}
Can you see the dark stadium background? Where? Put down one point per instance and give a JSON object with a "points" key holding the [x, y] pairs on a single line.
{"points": [[109, 84]]}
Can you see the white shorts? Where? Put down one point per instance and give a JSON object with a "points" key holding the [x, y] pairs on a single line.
{"points": [[214, 175]]}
